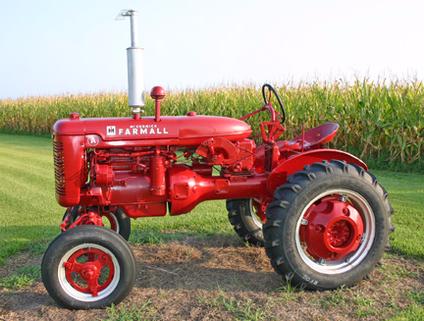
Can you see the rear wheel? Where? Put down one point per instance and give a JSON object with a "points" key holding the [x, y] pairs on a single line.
{"points": [[327, 226], [88, 267], [245, 217]]}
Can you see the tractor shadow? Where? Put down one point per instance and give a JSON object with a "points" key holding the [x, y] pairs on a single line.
{"points": [[215, 263]]}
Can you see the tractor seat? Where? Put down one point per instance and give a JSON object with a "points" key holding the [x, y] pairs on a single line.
{"points": [[315, 137]]}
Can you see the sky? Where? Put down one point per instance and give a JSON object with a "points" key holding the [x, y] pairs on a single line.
{"points": [[69, 47]]}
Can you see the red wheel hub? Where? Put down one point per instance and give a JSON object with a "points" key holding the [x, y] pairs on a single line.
{"points": [[89, 270], [331, 229]]}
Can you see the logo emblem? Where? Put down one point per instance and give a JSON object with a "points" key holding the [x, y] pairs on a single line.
{"points": [[93, 140], [110, 130]]}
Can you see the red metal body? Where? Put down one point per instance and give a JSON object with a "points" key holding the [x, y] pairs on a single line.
{"points": [[334, 229], [149, 166], [90, 271]]}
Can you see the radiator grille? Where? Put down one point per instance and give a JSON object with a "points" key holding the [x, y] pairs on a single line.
{"points": [[59, 168]]}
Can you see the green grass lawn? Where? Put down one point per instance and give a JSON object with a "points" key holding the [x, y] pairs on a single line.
{"points": [[30, 216]]}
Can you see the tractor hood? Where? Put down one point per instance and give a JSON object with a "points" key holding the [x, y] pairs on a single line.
{"points": [[189, 130]]}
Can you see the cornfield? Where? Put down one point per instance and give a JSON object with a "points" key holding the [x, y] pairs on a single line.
{"points": [[383, 123]]}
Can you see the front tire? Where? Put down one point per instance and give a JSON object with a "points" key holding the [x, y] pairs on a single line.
{"points": [[327, 226], [88, 267]]}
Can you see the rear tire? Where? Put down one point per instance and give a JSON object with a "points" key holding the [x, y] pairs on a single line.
{"points": [[66, 266], [288, 225], [245, 222]]}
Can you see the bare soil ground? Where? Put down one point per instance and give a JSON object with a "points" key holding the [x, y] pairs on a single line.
{"points": [[220, 279]]}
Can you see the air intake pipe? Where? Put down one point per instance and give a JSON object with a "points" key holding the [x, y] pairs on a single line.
{"points": [[135, 66]]}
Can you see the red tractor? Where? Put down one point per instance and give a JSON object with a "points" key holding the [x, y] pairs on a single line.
{"points": [[323, 219]]}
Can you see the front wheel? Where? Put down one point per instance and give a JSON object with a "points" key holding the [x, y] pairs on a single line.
{"points": [[327, 226], [88, 267]]}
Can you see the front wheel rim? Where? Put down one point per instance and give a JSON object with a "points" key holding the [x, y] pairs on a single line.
{"points": [[338, 232], [79, 292], [255, 213]]}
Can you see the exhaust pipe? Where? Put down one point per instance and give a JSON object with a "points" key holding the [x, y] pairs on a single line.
{"points": [[135, 66]]}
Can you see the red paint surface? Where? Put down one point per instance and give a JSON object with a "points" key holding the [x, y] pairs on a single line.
{"points": [[157, 93], [88, 264], [147, 165], [334, 229]]}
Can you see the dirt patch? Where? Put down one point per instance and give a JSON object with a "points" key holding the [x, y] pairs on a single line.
{"points": [[18, 261], [220, 279]]}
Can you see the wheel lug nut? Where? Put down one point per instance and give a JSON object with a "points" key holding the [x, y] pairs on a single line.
{"points": [[319, 228]]}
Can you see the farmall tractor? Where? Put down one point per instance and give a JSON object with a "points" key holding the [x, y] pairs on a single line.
{"points": [[322, 217]]}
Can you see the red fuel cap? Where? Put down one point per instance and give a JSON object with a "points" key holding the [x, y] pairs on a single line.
{"points": [[157, 93], [74, 116]]}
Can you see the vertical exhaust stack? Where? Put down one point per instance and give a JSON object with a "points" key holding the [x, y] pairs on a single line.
{"points": [[135, 66]]}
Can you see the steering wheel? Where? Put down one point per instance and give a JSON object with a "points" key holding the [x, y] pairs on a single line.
{"points": [[267, 99]]}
